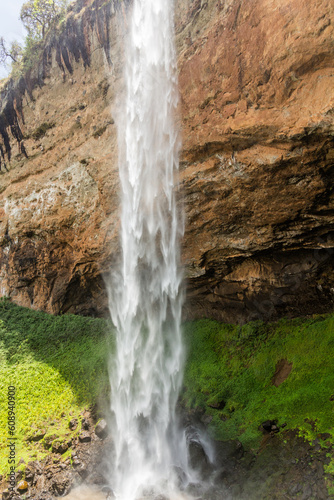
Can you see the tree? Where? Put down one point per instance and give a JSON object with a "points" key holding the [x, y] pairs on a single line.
{"points": [[38, 15], [14, 52]]}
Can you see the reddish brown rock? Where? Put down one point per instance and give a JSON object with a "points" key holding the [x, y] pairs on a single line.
{"points": [[257, 164]]}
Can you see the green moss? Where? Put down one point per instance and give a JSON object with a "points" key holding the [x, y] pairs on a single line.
{"points": [[57, 365], [329, 474], [236, 365]]}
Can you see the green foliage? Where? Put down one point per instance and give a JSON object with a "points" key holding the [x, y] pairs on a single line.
{"points": [[58, 364], [236, 364], [13, 52], [329, 471], [31, 53], [38, 15], [100, 131], [40, 131]]}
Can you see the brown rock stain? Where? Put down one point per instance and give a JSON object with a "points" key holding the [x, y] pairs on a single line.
{"points": [[282, 371]]}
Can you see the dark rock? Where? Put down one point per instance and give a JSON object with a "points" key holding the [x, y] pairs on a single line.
{"points": [[226, 451], [85, 437], [19, 475], [224, 417], [325, 436], [83, 471], [48, 440], [219, 405], [198, 459], [37, 436], [73, 424], [180, 475], [40, 483], [295, 488], [206, 419], [270, 426], [29, 475], [108, 491], [6, 495], [101, 429], [97, 478], [60, 483], [307, 493], [59, 447], [85, 424]]}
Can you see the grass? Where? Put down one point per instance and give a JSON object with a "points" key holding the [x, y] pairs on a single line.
{"points": [[235, 365], [57, 365]]}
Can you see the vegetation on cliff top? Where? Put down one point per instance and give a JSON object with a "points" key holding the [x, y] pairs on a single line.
{"points": [[37, 16], [58, 365]]}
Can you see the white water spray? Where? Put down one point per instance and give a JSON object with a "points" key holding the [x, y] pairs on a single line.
{"points": [[145, 297]]}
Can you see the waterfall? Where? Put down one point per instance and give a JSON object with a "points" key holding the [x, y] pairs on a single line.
{"points": [[145, 297]]}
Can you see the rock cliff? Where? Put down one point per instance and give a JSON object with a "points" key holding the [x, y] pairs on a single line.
{"points": [[257, 162]]}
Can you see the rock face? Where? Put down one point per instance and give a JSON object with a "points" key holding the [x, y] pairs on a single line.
{"points": [[257, 163]]}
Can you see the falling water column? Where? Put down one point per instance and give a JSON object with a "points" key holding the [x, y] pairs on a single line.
{"points": [[145, 299]]}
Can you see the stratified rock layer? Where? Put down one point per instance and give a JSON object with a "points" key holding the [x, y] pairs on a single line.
{"points": [[257, 163]]}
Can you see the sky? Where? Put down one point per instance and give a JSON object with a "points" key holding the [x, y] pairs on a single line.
{"points": [[11, 28]]}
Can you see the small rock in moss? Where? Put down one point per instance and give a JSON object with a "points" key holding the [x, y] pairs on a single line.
{"points": [[85, 437], [59, 447], [73, 424], [22, 486]]}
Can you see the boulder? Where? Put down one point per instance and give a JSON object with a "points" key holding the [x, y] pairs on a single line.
{"points": [[85, 437], [101, 429], [73, 424], [22, 486]]}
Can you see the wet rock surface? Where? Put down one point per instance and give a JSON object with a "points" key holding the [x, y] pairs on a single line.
{"points": [[56, 476], [101, 429], [284, 467]]}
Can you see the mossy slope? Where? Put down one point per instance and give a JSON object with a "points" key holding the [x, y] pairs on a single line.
{"points": [[235, 365], [57, 365]]}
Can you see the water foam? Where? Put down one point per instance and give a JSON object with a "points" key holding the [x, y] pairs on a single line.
{"points": [[145, 297]]}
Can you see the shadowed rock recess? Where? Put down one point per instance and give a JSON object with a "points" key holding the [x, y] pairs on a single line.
{"points": [[257, 163]]}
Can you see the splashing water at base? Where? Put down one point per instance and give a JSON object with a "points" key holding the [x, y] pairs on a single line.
{"points": [[145, 298], [94, 493]]}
